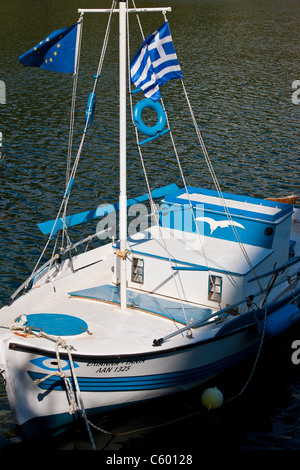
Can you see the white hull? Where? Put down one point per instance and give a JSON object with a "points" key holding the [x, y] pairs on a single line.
{"points": [[107, 382], [161, 311], [114, 360]]}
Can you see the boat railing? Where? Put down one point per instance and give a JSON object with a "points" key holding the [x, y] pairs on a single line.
{"points": [[23, 287], [277, 269], [249, 301]]}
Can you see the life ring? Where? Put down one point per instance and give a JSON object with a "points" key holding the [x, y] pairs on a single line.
{"points": [[90, 109], [138, 119]]}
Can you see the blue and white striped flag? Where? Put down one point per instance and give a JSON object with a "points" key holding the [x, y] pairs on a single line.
{"points": [[155, 63]]}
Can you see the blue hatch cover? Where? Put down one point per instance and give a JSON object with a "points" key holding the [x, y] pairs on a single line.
{"points": [[56, 324]]}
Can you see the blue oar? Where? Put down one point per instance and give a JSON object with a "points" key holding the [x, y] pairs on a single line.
{"points": [[52, 226]]}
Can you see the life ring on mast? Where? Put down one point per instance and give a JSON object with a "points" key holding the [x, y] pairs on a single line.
{"points": [[90, 109], [138, 119]]}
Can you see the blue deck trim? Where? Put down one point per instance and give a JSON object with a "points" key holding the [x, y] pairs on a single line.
{"points": [[252, 223], [160, 306], [197, 267], [190, 268], [70, 221], [193, 266], [284, 209]]}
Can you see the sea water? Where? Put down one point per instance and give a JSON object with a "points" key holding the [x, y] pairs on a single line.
{"points": [[240, 62]]}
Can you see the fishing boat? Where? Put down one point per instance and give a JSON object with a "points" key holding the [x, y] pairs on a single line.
{"points": [[211, 278]]}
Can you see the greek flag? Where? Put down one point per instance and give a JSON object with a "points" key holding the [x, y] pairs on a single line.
{"points": [[155, 63]]}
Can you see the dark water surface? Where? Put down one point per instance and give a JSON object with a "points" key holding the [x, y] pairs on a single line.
{"points": [[239, 59]]}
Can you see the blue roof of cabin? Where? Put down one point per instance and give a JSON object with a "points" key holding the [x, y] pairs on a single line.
{"points": [[244, 206]]}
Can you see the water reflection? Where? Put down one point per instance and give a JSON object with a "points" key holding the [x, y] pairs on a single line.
{"points": [[239, 60]]}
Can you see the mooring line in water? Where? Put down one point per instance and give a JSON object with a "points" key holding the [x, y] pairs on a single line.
{"points": [[147, 428], [256, 358]]}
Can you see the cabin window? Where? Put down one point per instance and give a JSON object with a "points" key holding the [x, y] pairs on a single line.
{"points": [[137, 274], [215, 288]]}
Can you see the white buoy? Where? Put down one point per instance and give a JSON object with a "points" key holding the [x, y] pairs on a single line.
{"points": [[212, 398]]}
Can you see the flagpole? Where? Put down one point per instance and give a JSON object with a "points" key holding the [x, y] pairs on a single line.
{"points": [[78, 43], [123, 176]]}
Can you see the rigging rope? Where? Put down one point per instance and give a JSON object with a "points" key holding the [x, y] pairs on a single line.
{"points": [[73, 103], [77, 158], [71, 173], [216, 182], [152, 204], [181, 173], [210, 167]]}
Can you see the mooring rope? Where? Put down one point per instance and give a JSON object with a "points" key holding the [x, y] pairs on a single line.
{"points": [[74, 405], [148, 428], [256, 358]]}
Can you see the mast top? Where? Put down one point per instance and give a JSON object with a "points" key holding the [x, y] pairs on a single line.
{"points": [[116, 10]]}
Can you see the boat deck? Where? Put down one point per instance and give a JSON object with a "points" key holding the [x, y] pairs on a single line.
{"points": [[106, 329], [89, 295]]}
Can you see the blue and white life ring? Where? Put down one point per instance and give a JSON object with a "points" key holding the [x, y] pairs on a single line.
{"points": [[90, 109], [138, 119]]}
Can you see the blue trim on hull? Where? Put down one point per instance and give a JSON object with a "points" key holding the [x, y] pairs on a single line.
{"points": [[145, 382]]}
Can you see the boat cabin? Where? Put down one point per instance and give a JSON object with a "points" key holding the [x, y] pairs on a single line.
{"points": [[206, 248]]}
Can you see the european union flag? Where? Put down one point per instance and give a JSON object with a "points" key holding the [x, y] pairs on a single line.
{"points": [[155, 63], [56, 52]]}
